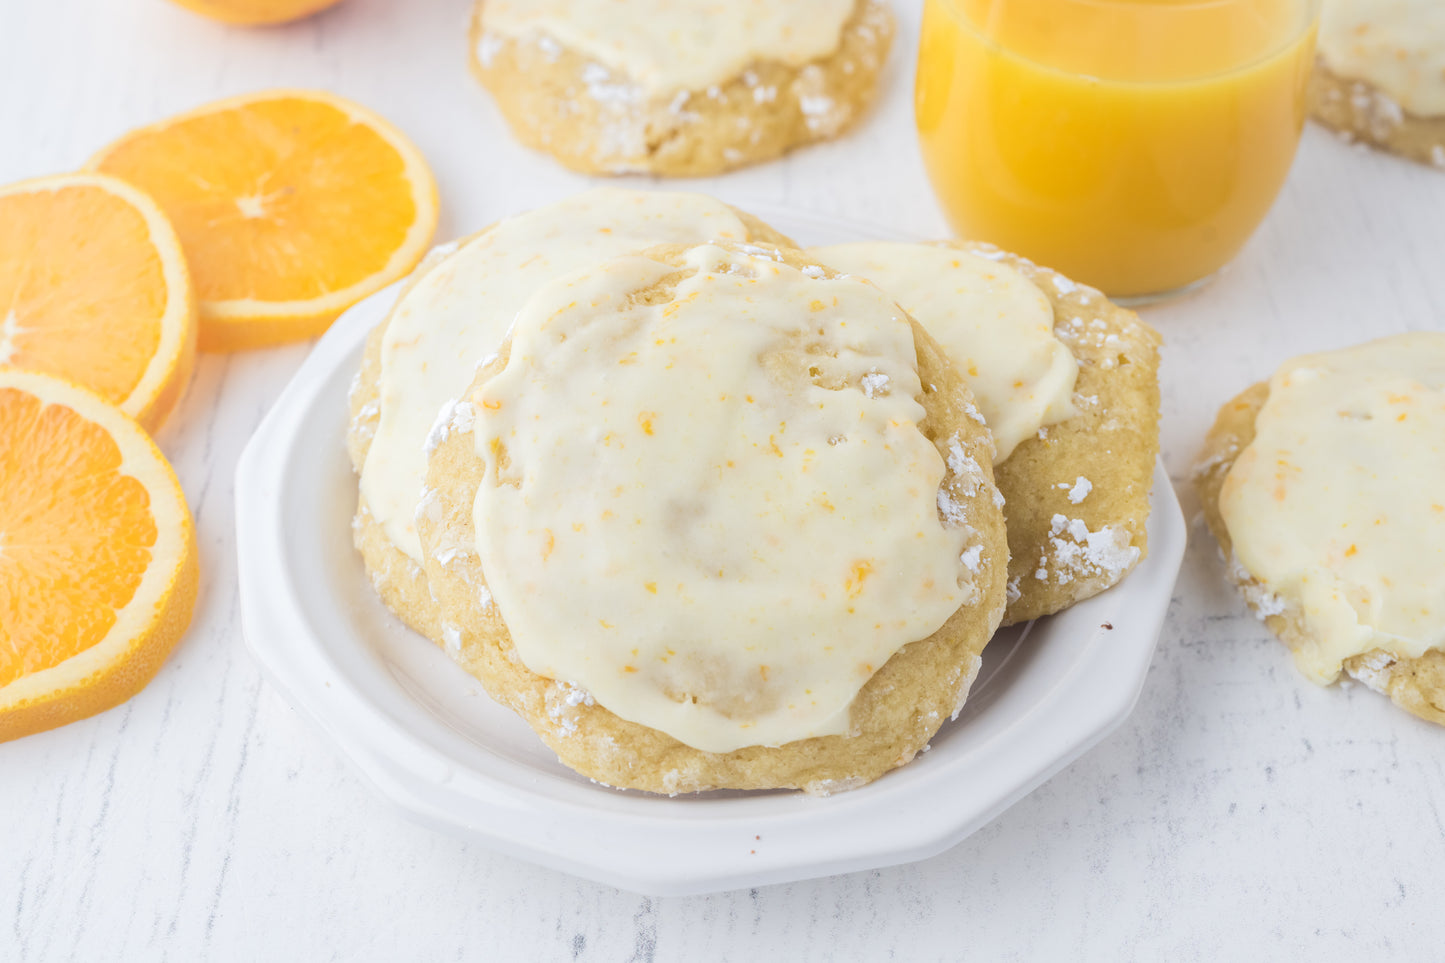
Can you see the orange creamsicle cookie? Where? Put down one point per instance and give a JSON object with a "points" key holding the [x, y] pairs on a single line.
{"points": [[1380, 75], [1325, 487], [678, 87], [1068, 384], [733, 526]]}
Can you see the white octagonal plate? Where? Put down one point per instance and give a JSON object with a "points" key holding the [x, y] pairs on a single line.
{"points": [[429, 739]]}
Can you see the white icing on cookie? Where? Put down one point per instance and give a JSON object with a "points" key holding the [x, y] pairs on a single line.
{"points": [[995, 324], [1338, 504], [671, 45], [1398, 46], [459, 311], [665, 521]]}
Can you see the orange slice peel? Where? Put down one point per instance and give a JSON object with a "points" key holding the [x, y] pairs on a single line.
{"points": [[98, 560], [94, 288]]}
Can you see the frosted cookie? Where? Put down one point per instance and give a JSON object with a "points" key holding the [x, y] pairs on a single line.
{"points": [[1380, 75], [1326, 490], [728, 521], [1068, 384], [453, 312], [678, 87]]}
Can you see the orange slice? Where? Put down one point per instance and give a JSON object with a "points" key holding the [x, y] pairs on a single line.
{"points": [[98, 568], [291, 206], [256, 12], [94, 287]]}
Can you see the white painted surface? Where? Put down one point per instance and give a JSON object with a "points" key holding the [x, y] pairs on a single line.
{"points": [[1240, 813]]}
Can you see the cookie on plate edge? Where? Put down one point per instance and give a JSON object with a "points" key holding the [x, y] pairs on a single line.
{"points": [[1068, 383]]}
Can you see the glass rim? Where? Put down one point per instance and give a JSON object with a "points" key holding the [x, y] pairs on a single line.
{"points": [[1309, 19]]}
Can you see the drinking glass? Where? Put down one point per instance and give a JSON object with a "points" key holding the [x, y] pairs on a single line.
{"points": [[1133, 145]]}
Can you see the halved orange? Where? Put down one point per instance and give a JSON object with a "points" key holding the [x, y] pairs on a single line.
{"points": [[256, 12], [94, 287], [98, 570], [291, 206]]}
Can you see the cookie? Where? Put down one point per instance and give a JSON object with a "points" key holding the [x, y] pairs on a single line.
{"points": [[1068, 383], [1346, 558], [1380, 75], [724, 521], [678, 87], [452, 313]]}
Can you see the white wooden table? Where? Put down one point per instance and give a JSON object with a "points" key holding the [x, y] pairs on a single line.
{"points": [[1240, 813]]}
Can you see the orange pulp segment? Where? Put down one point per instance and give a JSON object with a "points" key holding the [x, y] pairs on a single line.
{"points": [[291, 206]]}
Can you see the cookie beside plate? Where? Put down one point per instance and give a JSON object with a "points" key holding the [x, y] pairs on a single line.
{"points": [[1339, 502], [678, 87]]}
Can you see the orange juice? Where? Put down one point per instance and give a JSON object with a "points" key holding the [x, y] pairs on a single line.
{"points": [[1131, 144]]}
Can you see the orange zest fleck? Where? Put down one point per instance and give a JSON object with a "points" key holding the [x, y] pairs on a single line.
{"points": [[858, 575]]}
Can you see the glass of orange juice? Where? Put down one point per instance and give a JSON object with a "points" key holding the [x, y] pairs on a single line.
{"points": [[1133, 145]]}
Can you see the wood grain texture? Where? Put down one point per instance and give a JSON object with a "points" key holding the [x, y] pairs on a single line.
{"points": [[1240, 813]]}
